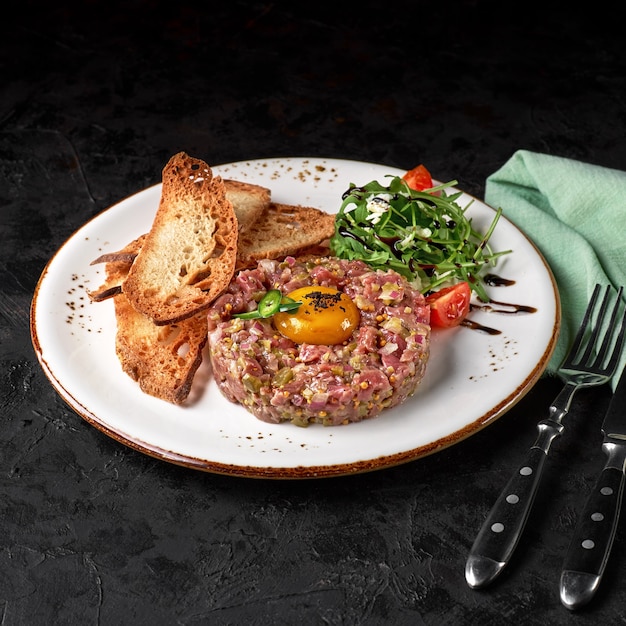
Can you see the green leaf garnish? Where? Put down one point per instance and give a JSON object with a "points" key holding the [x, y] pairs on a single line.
{"points": [[423, 235]]}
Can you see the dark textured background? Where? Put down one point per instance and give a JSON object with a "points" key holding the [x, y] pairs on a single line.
{"points": [[95, 98]]}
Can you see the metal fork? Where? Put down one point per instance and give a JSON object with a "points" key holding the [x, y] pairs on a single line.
{"points": [[587, 364]]}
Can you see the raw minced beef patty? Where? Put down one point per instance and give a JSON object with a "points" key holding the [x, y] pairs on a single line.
{"points": [[378, 367]]}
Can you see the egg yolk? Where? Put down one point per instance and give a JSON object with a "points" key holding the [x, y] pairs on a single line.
{"points": [[326, 316]]}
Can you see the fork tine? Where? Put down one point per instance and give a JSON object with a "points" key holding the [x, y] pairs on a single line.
{"points": [[583, 327], [589, 333], [617, 349], [609, 334], [595, 333]]}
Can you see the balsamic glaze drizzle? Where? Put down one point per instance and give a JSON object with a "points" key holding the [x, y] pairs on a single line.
{"points": [[509, 308], [483, 329]]}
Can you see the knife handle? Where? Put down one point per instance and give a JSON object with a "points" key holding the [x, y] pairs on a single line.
{"points": [[591, 544], [501, 531]]}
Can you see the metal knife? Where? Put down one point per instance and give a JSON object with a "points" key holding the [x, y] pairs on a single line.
{"points": [[590, 547]]}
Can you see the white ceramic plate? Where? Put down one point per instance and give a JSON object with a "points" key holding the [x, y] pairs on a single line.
{"points": [[472, 377]]}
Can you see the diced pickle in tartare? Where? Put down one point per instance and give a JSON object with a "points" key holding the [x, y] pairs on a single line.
{"points": [[376, 364]]}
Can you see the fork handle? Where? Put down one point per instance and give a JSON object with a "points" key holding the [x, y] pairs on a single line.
{"points": [[591, 544], [501, 531]]}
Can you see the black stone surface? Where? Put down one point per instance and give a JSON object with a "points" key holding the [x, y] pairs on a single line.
{"points": [[95, 98]]}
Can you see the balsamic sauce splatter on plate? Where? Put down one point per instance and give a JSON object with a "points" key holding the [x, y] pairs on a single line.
{"points": [[496, 306]]}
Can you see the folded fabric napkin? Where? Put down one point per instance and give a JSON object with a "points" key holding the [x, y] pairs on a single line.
{"points": [[575, 213]]}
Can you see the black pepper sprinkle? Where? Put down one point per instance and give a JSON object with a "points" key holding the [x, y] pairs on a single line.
{"points": [[321, 300]]}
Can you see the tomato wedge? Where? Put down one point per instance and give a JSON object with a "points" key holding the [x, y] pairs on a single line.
{"points": [[418, 178], [449, 306]]}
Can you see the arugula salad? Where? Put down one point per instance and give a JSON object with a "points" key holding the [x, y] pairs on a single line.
{"points": [[423, 234]]}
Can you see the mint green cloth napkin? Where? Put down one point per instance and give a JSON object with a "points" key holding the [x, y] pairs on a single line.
{"points": [[575, 213]]}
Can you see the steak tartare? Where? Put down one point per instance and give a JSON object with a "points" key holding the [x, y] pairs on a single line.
{"points": [[278, 380]]}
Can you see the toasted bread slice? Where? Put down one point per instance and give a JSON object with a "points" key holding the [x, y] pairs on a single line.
{"points": [[188, 256], [162, 359], [284, 230], [250, 201]]}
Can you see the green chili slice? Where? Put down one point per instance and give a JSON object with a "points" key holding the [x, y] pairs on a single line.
{"points": [[272, 302]]}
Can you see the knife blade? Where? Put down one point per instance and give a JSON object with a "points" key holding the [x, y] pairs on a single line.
{"points": [[591, 543]]}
